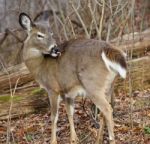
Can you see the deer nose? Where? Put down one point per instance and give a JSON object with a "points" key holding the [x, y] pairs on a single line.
{"points": [[55, 51]]}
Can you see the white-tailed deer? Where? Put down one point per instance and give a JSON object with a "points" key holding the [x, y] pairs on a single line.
{"points": [[85, 67]]}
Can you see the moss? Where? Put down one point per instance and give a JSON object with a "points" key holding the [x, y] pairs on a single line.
{"points": [[147, 130], [38, 91], [6, 98]]}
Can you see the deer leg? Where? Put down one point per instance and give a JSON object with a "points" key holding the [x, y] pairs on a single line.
{"points": [[110, 99], [110, 95], [54, 103], [100, 100], [96, 89], [69, 102], [106, 110], [101, 130]]}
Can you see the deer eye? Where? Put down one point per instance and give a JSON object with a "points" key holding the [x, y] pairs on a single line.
{"points": [[40, 35]]}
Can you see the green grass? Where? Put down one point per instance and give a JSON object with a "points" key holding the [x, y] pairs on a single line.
{"points": [[7, 98], [38, 91], [147, 130]]}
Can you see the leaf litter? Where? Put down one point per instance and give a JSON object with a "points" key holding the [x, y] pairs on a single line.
{"points": [[130, 127]]}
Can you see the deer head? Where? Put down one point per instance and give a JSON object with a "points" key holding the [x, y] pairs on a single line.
{"points": [[40, 36]]}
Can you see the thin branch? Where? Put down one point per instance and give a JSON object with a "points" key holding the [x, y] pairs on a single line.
{"points": [[64, 29], [130, 79], [93, 18], [110, 22], [17, 38], [101, 21], [9, 115], [79, 17], [73, 32], [55, 20]]}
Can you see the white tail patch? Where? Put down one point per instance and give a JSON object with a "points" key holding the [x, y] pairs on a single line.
{"points": [[115, 66]]}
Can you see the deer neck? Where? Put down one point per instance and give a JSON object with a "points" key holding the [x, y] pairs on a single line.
{"points": [[33, 59]]}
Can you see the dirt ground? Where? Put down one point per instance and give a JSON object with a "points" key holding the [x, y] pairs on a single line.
{"points": [[131, 116]]}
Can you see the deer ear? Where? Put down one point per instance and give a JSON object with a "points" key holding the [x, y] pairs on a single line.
{"points": [[25, 21]]}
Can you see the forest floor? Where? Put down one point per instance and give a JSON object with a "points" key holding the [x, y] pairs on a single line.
{"points": [[132, 123]]}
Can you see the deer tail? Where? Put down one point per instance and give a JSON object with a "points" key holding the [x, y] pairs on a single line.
{"points": [[115, 60]]}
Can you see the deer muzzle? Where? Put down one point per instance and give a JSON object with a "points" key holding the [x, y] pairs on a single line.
{"points": [[55, 51]]}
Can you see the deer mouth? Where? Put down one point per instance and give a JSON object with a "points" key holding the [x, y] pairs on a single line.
{"points": [[53, 52]]}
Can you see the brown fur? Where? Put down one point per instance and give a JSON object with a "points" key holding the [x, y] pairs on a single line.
{"points": [[80, 70]]}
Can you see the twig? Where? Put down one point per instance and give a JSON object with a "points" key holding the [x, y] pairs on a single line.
{"points": [[110, 21], [130, 79], [55, 21], [81, 141], [79, 17], [17, 38], [93, 18], [101, 21], [70, 22], [90, 114], [122, 26], [3, 39], [5, 69], [9, 116], [10, 109], [118, 10]]}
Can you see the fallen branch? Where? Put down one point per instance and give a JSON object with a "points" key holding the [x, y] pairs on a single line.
{"points": [[15, 72]]}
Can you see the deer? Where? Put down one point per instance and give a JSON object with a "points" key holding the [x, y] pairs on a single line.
{"points": [[80, 67]]}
